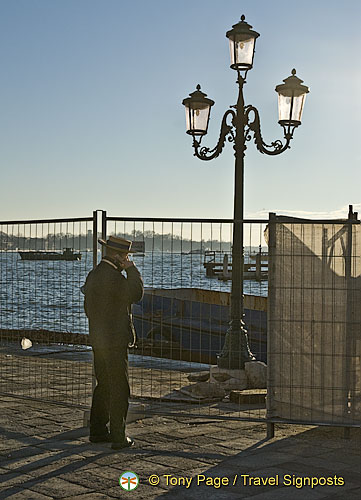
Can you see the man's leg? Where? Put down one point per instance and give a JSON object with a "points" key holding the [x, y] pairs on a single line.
{"points": [[119, 394], [99, 414]]}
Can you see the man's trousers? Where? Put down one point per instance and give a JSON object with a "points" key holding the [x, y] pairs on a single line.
{"points": [[110, 397]]}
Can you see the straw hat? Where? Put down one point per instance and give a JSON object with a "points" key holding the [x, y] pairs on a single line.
{"points": [[119, 244]]}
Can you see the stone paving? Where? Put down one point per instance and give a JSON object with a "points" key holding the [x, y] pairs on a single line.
{"points": [[45, 454], [67, 376]]}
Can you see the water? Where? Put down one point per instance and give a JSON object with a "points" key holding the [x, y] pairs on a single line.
{"points": [[46, 294]]}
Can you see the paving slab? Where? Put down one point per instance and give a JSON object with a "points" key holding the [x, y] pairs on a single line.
{"points": [[21, 494], [89, 496], [45, 454], [13, 479]]}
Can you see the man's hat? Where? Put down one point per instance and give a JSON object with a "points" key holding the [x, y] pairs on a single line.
{"points": [[119, 244]]}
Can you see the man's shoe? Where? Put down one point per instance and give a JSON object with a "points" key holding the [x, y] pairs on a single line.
{"points": [[105, 438], [127, 443]]}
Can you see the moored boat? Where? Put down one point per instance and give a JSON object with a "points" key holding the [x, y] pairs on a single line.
{"points": [[191, 323], [68, 254]]}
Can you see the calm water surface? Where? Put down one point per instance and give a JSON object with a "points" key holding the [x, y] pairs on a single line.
{"points": [[46, 294]]}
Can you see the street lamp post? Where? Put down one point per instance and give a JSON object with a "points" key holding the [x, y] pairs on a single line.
{"points": [[239, 124]]}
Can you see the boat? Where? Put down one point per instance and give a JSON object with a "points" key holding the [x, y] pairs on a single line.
{"points": [[190, 324], [68, 254], [196, 251]]}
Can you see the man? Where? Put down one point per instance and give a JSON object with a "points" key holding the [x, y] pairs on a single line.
{"points": [[108, 299]]}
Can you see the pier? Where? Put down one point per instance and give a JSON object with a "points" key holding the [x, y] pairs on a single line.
{"points": [[218, 265]]}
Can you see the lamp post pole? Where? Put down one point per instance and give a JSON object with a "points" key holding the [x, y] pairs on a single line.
{"points": [[236, 351], [239, 124]]}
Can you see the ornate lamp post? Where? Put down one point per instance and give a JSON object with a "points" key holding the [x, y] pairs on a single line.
{"points": [[239, 125]]}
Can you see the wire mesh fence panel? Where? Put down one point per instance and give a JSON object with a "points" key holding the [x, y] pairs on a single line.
{"points": [[314, 322], [43, 329], [182, 320]]}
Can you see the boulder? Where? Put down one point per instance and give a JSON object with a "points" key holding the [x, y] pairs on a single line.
{"points": [[256, 373], [234, 383], [221, 377], [204, 390], [228, 379], [198, 376]]}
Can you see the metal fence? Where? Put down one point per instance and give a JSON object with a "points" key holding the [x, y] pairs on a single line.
{"points": [[43, 264], [314, 321], [304, 321], [182, 320]]}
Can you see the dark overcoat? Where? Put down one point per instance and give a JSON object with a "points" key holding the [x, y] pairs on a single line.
{"points": [[108, 299]]}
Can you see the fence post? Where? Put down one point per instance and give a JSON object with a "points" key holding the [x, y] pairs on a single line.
{"points": [[270, 308], [86, 414], [347, 386], [95, 238], [104, 229]]}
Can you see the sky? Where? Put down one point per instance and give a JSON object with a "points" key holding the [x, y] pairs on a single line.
{"points": [[91, 113]]}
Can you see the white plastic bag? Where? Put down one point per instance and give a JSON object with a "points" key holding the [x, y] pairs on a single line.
{"points": [[26, 343]]}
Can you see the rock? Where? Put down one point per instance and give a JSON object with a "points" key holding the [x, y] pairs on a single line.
{"points": [[198, 377], [256, 372], [234, 383], [228, 379], [221, 377], [204, 390]]}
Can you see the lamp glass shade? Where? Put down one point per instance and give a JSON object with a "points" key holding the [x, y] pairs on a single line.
{"points": [[197, 118], [290, 108], [242, 40], [291, 100], [241, 47], [198, 108]]}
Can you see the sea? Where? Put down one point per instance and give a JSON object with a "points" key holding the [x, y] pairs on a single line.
{"points": [[47, 294]]}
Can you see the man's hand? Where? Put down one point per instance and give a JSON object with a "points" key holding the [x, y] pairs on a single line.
{"points": [[124, 262]]}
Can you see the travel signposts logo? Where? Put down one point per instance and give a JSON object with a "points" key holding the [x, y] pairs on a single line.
{"points": [[128, 480]]}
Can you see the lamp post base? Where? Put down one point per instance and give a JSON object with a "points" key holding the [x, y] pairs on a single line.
{"points": [[236, 351]]}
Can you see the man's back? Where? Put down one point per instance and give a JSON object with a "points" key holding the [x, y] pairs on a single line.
{"points": [[108, 297]]}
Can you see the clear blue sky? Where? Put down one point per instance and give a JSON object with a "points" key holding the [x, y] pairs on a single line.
{"points": [[91, 114]]}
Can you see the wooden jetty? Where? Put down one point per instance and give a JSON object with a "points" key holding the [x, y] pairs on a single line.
{"points": [[219, 265]]}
